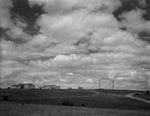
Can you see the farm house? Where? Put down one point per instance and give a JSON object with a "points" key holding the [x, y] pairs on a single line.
{"points": [[23, 86], [49, 87], [80, 88]]}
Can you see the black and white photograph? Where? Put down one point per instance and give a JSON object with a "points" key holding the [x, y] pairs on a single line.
{"points": [[74, 57]]}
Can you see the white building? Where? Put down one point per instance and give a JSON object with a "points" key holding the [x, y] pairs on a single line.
{"points": [[50, 87]]}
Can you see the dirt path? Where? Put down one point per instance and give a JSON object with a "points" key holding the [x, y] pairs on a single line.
{"points": [[96, 93], [132, 97]]}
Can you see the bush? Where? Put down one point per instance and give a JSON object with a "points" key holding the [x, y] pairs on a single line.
{"points": [[67, 103], [83, 105], [5, 98], [147, 92]]}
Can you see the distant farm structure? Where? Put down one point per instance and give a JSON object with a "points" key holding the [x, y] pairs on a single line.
{"points": [[23, 86], [49, 87], [80, 88]]}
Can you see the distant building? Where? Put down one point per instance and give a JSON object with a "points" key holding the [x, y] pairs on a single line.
{"points": [[14, 87], [23, 86], [80, 88], [50, 87]]}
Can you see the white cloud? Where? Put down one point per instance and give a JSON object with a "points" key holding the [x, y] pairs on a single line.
{"points": [[90, 80], [41, 40], [75, 25], [14, 27], [17, 32], [143, 3], [80, 37], [134, 21], [5, 16], [65, 6]]}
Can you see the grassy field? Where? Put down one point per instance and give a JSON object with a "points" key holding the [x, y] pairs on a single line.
{"points": [[143, 96], [38, 93], [119, 92], [17, 109], [106, 99]]}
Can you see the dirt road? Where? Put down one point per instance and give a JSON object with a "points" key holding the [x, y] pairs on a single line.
{"points": [[132, 97]]}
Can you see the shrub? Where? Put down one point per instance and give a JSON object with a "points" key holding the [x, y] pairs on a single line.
{"points": [[71, 104], [5, 98], [83, 105], [147, 92], [67, 103]]}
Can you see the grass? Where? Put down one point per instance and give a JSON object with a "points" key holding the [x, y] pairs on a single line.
{"points": [[17, 109], [143, 96], [51, 93], [119, 92], [106, 99]]}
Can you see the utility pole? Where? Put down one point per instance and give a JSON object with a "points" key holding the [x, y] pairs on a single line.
{"points": [[113, 84], [99, 84], [62, 85], [14, 83]]}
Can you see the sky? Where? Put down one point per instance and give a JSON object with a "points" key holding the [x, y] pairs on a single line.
{"points": [[75, 42]]}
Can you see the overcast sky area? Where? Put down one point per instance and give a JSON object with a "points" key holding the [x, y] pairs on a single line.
{"points": [[75, 42]]}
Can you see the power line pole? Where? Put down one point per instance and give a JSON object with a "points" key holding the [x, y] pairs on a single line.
{"points": [[62, 85], [99, 84], [113, 84]]}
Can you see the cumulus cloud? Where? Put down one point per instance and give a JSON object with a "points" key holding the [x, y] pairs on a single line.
{"points": [[142, 3], [77, 37], [41, 40], [14, 28], [72, 26], [134, 21], [5, 16], [90, 80], [65, 6]]}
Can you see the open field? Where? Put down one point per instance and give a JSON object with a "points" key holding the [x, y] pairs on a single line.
{"points": [[80, 98], [16, 109], [119, 92], [49, 93], [143, 96]]}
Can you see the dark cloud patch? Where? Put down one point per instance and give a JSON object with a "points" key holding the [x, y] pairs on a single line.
{"points": [[143, 64], [5, 36], [1, 32], [147, 39], [123, 28], [16, 41], [128, 5], [24, 62], [28, 14], [145, 36], [84, 40], [146, 16], [27, 60]]}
